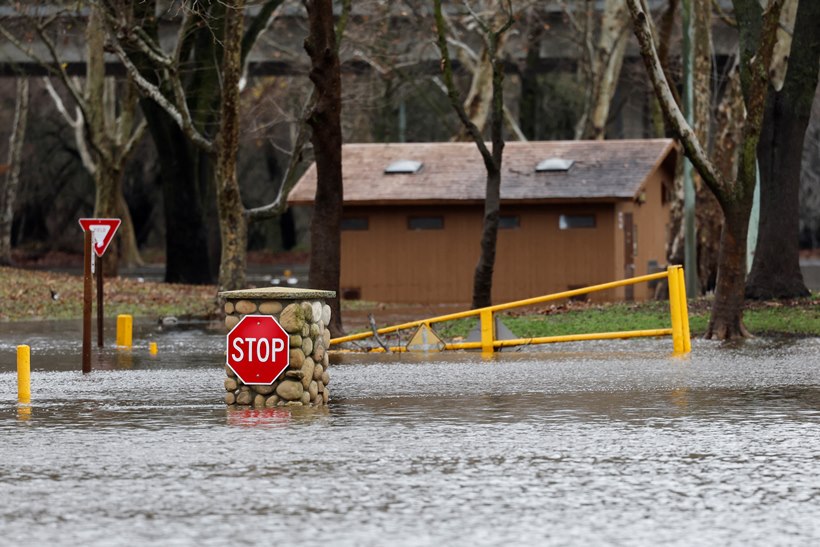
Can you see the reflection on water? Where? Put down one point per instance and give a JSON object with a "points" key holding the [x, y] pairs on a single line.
{"points": [[570, 445]]}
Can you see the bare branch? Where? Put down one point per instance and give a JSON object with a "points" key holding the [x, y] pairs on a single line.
{"points": [[77, 125], [135, 137], [452, 93], [179, 113], [58, 102], [693, 148], [512, 125], [723, 15]]}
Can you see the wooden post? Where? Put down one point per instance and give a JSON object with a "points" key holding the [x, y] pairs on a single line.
{"points": [[100, 342], [87, 304]]}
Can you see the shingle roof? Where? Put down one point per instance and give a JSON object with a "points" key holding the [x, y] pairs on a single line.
{"points": [[454, 171]]}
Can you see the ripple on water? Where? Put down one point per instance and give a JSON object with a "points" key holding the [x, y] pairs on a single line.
{"points": [[571, 446]]}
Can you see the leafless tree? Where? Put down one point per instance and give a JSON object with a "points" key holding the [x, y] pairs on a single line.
{"points": [[758, 29], [493, 33]]}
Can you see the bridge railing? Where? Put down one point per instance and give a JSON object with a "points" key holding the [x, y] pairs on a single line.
{"points": [[678, 311]]}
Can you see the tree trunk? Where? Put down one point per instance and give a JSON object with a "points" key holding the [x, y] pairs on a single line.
{"points": [[726, 321], [483, 276], [107, 182], [325, 121], [708, 216], [186, 242], [776, 268], [8, 191], [232, 220]]}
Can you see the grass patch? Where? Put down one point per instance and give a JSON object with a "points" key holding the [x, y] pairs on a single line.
{"points": [[26, 295]]}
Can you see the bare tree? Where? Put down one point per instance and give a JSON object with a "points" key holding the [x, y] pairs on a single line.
{"points": [[171, 106], [103, 121], [493, 34], [757, 30], [11, 182]]}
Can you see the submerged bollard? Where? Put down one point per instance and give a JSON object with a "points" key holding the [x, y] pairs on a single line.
{"points": [[23, 374], [124, 330], [152, 348]]}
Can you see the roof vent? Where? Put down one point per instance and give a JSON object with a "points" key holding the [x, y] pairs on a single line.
{"points": [[405, 167], [554, 164]]}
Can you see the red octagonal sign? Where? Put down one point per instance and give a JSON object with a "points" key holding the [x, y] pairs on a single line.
{"points": [[258, 349]]}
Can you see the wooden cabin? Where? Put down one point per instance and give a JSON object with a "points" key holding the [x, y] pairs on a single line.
{"points": [[573, 213]]}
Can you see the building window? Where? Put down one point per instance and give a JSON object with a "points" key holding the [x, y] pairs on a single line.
{"points": [[425, 223], [570, 222], [355, 224], [509, 222]]}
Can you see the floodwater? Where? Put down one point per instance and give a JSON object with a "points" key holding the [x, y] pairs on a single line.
{"points": [[612, 443]]}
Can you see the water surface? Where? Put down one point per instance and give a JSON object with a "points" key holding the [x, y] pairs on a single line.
{"points": [[583, 444]]}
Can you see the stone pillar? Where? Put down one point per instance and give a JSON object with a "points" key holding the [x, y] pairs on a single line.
{"points": [[305, 316]]}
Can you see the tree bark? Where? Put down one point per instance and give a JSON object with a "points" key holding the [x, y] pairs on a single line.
{"points": [[11, 182], [325, 121], [726, 321], [708, 216], [232, 221], [605, 60], [775, 270]]}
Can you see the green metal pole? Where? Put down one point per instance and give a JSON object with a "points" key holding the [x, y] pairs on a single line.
{"points": [[690, 248]]}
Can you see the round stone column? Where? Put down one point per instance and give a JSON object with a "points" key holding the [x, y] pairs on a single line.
{"points": [[305, 316]]}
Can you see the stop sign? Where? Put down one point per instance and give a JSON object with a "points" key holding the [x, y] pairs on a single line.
{"points": [[258, 349]]}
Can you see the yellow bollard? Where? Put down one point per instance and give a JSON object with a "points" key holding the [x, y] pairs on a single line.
{"points": [[487, 331], [684, 313], [152, 348], [23, 374], [124, 329], [674, 308]]}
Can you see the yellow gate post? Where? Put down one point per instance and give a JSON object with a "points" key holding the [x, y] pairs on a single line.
{"points": [[487, 334], [684, 313], [674, 308], [23, 374], [124, 331]]}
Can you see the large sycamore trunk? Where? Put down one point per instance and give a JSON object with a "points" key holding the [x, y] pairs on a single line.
{"points": [[726, 321], [325, 121], [233, 223], [776, 268], [186, 241]]}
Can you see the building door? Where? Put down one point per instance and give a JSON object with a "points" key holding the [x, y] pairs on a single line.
{"points": [[629, 255]]}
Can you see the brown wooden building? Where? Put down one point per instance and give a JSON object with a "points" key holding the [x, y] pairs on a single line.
{"points": [[573, 213]]}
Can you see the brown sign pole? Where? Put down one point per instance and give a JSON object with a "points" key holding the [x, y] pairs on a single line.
{"points": [[100, 302], [87, 303]]}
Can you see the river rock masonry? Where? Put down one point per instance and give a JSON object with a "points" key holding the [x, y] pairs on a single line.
{"points": [[305, 316]]}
